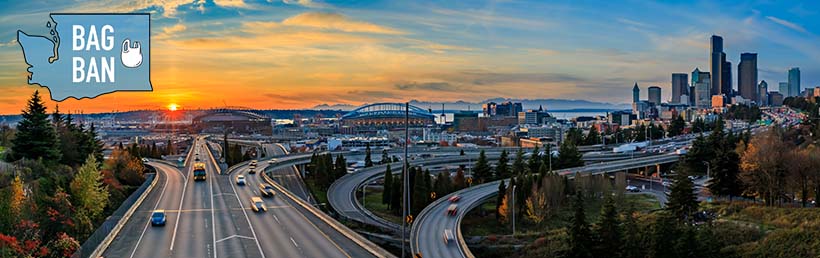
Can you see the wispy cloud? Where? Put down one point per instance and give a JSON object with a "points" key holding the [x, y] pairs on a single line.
{"points": [[634, 23], [306, 3], [787, 24], [336, 21], [10, 43]]}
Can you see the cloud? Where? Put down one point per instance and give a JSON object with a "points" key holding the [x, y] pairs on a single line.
{"points": [[230, 3], [479, 77], [787, 24], [435, 86], [335, 21], [171, 31], [634, 23], [11, 43], [305, 3]]}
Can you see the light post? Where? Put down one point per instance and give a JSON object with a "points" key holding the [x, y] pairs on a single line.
{"points": [[513, 209], [708, 169]]}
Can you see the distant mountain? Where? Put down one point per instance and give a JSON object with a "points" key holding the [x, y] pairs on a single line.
{"points": [[345, 107]]}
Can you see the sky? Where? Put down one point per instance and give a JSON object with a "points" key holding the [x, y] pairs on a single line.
{"points": [[292, 54]]}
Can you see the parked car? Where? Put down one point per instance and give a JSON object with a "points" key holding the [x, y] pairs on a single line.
{"points": [[158, 218]]}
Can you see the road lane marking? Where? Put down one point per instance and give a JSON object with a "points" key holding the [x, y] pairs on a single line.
{"points": [[149, 221], [233, 187], [213, 215], [234, 236], [294, 242], [181, 200], [277, 219]]}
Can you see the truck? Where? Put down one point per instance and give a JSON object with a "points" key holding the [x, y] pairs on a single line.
{"points": [[199, 171]]}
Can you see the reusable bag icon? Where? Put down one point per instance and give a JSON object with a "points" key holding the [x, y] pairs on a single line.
{"points": [[131, 57]]}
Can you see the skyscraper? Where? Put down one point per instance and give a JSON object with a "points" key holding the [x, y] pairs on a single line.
{"points": [[716, 59], [680, 86], [726, 78], [763, 94], [654, 95], [794, 82], [702, 89], [636, 94], [747, 77], [784, 89]]}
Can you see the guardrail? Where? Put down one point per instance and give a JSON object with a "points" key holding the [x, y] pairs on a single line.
{"points": [[344, 230], [96, 244]]}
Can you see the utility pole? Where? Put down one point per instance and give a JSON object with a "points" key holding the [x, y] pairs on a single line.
{"points": [[405, 178]]}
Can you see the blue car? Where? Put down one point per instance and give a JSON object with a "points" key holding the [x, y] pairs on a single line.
{"points": [[158, 218]]}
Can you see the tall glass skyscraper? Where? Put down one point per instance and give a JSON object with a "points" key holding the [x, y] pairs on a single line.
{"points": [[716, 59], [747, 77], [794, 82], [680, 86]]}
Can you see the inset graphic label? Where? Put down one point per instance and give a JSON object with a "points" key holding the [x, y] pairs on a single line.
{"points": [[87, 55]]}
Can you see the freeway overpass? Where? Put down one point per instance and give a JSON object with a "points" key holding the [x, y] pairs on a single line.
{"points": [[427, 230]]}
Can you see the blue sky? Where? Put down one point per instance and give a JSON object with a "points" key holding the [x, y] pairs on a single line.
{"points": [[296, 54]]}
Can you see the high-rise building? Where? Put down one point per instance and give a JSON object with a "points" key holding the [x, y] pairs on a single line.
{"points": [[794, 82], [502, 109], [763, 94], [636, 94], [726, 78], [783, 88], [680, 86], [701, 81], [691, 95], [775, 99], [716, 60], [654, 95], [747, 77]]}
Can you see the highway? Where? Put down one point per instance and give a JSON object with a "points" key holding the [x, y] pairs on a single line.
{"points": [[287, 230]]}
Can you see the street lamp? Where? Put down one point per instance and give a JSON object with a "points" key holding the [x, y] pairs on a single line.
{"points": [[513, 209], [708, 169]]}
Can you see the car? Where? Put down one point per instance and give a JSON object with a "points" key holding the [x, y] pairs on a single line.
{"points": [[253, 162], [452, 210], [251, 171], [448, 236], [240, 180], [257, 204], [252, 166], [266, 190], [271, 161], [144, 160], [666, 183], [158, 218], [454, 198], [632, 188]]}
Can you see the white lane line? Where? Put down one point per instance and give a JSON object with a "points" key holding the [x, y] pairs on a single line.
{"points": [[294, 242], [213, 215], [277, 219], [149, 222], [247, 219], [234, 236], [181, 200]]}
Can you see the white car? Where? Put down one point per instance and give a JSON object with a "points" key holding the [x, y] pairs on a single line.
{"points": [[448, 236], [632, 188], [240, 180]]}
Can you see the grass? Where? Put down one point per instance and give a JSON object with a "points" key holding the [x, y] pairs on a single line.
{"points": [[319, 193], [373, 203]]}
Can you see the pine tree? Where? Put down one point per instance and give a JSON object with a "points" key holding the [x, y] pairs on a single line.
{"points": [[35, 136], [579, 233], [502, 169], [676, 126], [499, 201], [340, 168], [421, 191], [534, 162], [443, 184], [385, 157], [633, 239], [459, 181], [608, 230], [482, 170], [518, 165], [593, 137], [88, 190], [664, 236], [682, 200], [388, 182], [569, 156], [724, 170], [367, 161], [396, 196]]}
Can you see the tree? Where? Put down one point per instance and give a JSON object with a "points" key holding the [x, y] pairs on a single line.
{"points": [[799, 167], [608, 230], [459, 181], [90, 195], [579, 233], [569, 156], [633, 237], [36, 137], [421, 190], [499, 201], [385, 157], [761, 166], [340, 168], [482, 168], [388, 182], [461, 153], [502, 168], [518, 165], [593, 137], [367, 161], [725, 169], [443, 185], [503, 208], [534, 162], [676, 126], [664, 236], [682, 200], [16, 198], [574, 136]]}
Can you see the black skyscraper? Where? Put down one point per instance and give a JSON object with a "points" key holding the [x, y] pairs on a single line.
{"points": [[716, 59], [747, 77], [680, 86]]}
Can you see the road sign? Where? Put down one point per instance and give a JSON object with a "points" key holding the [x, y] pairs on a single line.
{"points": [[469, 180], [409, 219], [432, 195]]}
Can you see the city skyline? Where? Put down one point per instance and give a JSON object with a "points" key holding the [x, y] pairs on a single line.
{"points": [[329, 52]]}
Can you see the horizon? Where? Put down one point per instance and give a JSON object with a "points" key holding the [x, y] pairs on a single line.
{"points": [[341, 53]]}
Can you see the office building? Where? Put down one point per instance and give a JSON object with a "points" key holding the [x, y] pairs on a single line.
{"points": [[680, 87], [718, 101], [775, 99], [763, 94], [508, 108], [654, 95], [636, 94], [702, 89], [691, 95], [794, 82], [716, 60], [726, 78], [783, 88], [747, 77], [535, 117]]}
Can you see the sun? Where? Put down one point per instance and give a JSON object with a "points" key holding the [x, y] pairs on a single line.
{"points": [[173, 107]]}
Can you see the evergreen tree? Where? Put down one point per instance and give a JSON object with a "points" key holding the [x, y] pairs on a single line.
{"points": [[482, 170], [499, 201], [664, 236], [388, 182], [518, 165], [35, 136], [547, 159], [421, 191], [461, 152], [340, 168], [633, 240], [608, 230], [534, 162], [502, 169], [682, 200], [396, 196], [367, 161], [443, 184], [593, 137], [579, 233], [676, 126], [385, 157], [724, 170], [88, 190], [459, 181], [569, 156]]}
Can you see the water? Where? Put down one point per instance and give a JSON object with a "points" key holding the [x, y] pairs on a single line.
{"points": [[560, 114]]}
